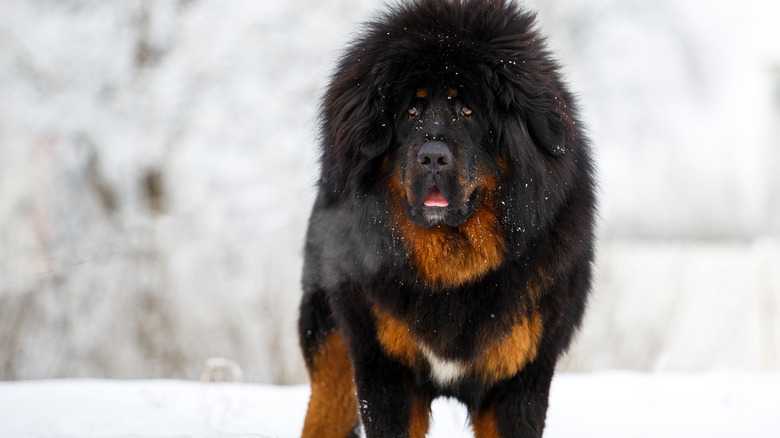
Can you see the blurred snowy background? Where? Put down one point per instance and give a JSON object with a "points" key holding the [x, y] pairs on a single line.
{"points": [[157, 160]]}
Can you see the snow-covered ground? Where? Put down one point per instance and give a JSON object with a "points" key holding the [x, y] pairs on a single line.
{"points": [[605, 404]]}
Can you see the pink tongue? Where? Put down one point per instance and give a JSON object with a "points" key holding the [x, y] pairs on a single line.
{"points": [[435, 198]]}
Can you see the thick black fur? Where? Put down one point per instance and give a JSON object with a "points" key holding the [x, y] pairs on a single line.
{"points": [[524, 133]]}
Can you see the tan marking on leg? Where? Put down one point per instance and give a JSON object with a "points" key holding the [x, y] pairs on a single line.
{"points": [[333, 409], [484, 424], [421, 419]]}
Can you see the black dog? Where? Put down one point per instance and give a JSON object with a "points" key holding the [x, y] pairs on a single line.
{"points": [[449, 250]]}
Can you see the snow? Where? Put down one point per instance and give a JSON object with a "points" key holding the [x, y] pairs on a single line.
{"points": [[604, 404]]}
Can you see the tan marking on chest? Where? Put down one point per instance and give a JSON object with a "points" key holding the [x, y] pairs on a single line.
{"points": [[504, 357], [447, 256], [397, 341], [395, 337], [507, 355]]}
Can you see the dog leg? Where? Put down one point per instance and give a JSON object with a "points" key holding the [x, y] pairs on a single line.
{"points": [[517, 407], [333, 409], [388, 404]]}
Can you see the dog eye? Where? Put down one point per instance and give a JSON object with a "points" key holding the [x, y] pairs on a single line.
{"points": [[413, 112], [466, 112]]}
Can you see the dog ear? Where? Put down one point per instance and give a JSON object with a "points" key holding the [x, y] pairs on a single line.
{"points": [[544, 120], [547, 125], [536, 109], [356, 127], [356, 124]]}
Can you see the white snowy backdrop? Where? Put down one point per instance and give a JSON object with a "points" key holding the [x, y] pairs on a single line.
{"points": [[157, 164]]}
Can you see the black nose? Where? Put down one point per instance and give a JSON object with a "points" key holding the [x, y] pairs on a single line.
{"points": [[434, 155]]}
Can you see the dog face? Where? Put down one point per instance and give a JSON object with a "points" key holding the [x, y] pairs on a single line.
{"points": [[440, 140]]}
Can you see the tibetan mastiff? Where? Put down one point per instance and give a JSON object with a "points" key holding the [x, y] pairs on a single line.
{"points": [[449, 248]]}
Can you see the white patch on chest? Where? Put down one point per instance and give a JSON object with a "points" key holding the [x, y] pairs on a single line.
{"points": [[444, 371], [359, 430]]}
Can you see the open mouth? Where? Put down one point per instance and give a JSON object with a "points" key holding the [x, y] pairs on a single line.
{"points": [[437, 210], [435, 198]]}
